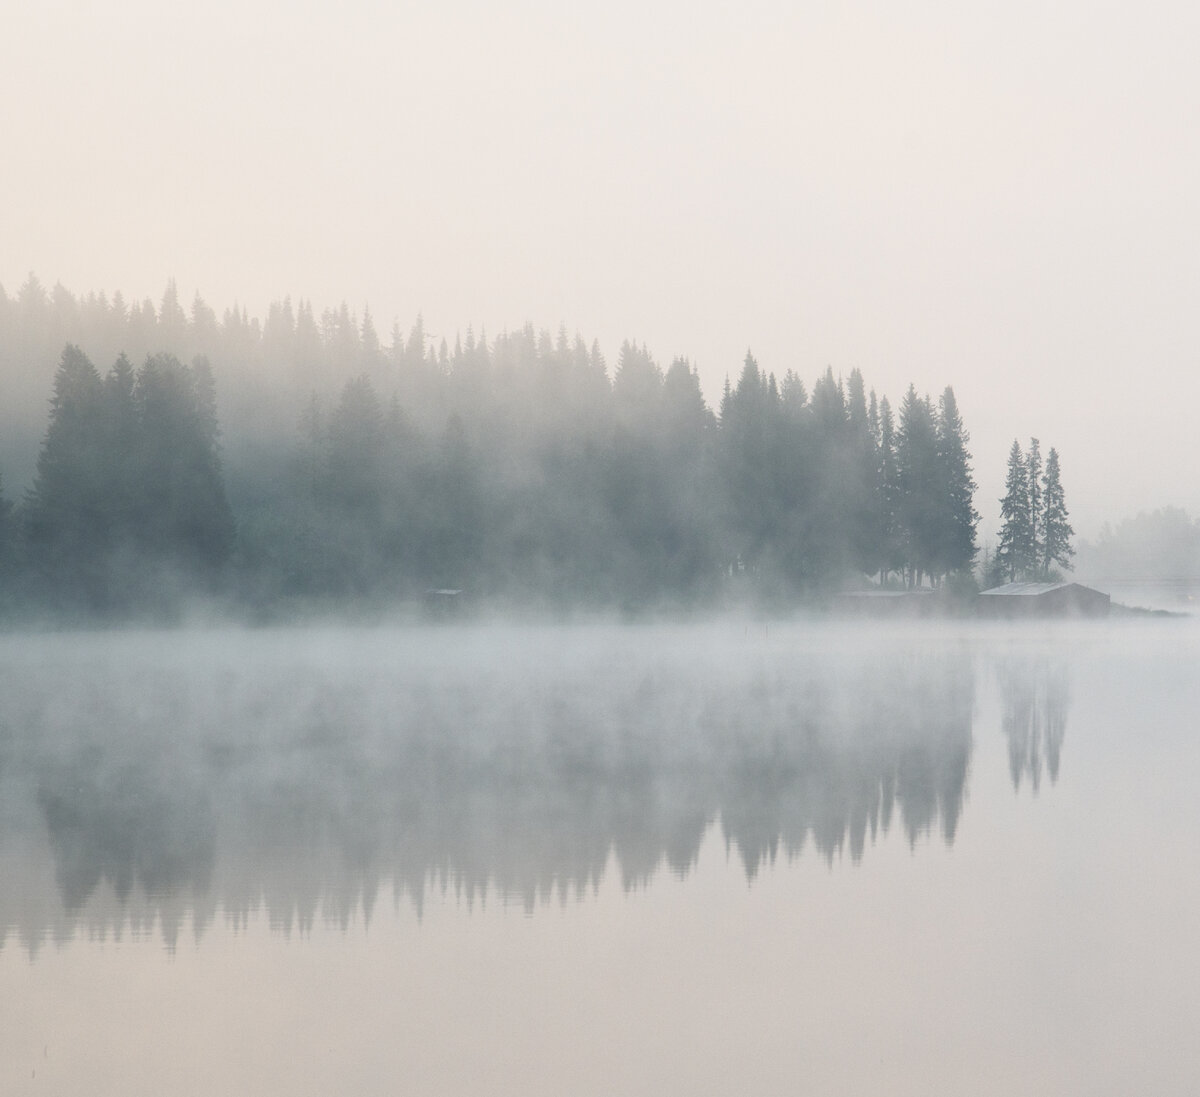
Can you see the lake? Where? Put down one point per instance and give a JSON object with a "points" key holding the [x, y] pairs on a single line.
{"points": [[717, 858]]}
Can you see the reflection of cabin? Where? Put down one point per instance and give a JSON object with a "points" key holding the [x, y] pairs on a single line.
{"points": [[1043, 600], [886, 603]]}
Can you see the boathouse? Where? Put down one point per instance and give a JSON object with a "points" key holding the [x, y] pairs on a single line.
{"points": [[1043, 600]]}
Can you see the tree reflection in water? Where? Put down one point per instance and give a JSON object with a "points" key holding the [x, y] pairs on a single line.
{"points": [[158, 792], [1035, 696]]}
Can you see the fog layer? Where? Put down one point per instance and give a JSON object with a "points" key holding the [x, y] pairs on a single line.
{"points": [[299, 774]]}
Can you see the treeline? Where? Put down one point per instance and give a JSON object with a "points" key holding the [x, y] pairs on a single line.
{"points": [[519, 469], [548, 482], [1159, 547]]}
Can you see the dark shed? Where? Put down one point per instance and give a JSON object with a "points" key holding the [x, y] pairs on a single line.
{"points": [[1043, 600]]}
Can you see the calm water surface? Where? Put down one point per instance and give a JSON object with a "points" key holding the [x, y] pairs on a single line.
{"points": [[624, 860]]}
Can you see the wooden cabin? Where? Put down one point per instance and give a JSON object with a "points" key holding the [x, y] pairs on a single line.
{"points": [[1043, 600]]}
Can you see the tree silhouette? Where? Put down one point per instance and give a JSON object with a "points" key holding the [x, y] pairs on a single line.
{"points": [[1056, 530], [956, 493], [1014, 551], [564, 485], [129, 477]]}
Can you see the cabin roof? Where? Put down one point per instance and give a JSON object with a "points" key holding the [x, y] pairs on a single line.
{"points": [[1028, 590]]}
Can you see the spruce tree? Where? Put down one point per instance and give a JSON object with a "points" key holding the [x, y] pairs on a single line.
{"points": [[1014, 550], [837, 498], [918, 466], [172, 320], [66, 523], [637, 386], [1056, 530], [1033, 463], [119, 451], [860, 463], [957, 489], [183, 514], [889, 493]]}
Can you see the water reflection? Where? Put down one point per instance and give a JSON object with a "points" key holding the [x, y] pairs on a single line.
{"points": [[1035, 695], [139, 795]]}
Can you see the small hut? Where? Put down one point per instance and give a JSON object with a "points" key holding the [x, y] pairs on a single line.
{"points": [[1043, 600]]}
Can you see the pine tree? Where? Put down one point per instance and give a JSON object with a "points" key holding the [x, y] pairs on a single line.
{"points": [[889, 493], [172, 320], [957, 489], [183, 516], [829, 407], [65, 518], [203, 327], [861, 463], [637, 386], [1014, 550], [369, 340], [1033, 463], [118, 453], [1056, 531], [793, 396], [726, 402], [918, 467]]}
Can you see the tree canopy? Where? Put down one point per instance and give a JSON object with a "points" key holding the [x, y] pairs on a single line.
{"points": [[517, 468], [129, 484]]}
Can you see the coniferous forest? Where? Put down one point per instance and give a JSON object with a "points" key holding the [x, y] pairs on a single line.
{"points": [[303, 463]]}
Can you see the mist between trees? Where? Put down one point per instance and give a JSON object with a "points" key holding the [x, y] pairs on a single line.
{"points": [[310, 466]]}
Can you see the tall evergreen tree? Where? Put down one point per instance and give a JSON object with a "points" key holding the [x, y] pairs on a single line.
{"points": [[793, 396], [172, 320], [1033, 461], [1014, 550], [959, 517], [1056, 530], [66, 521], [861, 463], [119, 449], [918, 468], [637, 386], [892, 555], [183, 517]]}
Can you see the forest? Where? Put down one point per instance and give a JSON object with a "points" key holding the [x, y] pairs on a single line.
{"points": [[302, 463]]}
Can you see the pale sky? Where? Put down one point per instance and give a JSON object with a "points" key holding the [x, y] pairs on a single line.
{"points": [[1003, 197]]}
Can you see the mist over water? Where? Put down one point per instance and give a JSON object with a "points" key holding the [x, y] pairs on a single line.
{"points": [[298, 772], [336, 341], [911, 838]]}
